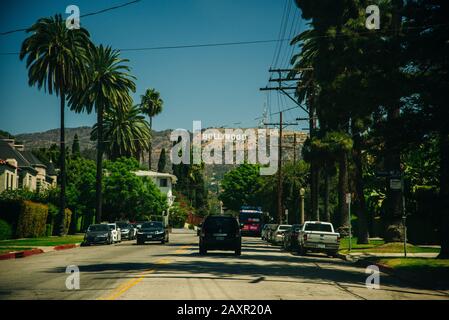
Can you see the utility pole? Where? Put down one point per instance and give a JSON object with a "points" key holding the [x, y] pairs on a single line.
{"points": [[280, 170], [294, 148], [284, 88]]}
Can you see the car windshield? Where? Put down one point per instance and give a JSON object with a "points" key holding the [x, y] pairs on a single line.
{"points": [[284, 227], [216, 224], [318, 227], [98, 227], [154, 224]]}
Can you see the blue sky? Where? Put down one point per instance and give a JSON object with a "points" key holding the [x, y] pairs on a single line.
{"points": [[217, 85]]}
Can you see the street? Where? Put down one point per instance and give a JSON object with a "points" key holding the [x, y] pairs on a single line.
{"points": [[177, 271]]}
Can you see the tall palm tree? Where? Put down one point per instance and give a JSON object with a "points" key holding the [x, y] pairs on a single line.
{"points": [[55, 59], [107, 89], [151, 104], [125, 132]]}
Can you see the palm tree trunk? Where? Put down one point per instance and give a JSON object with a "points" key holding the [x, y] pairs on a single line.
{"points": [[444, 193], [394, 230], [62, 174], [342, 191], [363, 235], [150, 143], [326, 194], [98, 188]]}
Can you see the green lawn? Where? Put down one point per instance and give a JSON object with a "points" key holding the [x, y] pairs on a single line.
{"points": [[43, 242], [432, 271], [379, 246], [11, 249]]}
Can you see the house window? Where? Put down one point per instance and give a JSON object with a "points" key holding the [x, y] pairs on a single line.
{"points": [[38, 185], [163, 182]]}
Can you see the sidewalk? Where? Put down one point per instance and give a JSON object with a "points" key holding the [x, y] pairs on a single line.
{"points": [[354, 256]]}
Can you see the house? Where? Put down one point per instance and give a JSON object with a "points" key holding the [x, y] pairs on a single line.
{"points": [[8, 174], [29, 173], [164, 181]]}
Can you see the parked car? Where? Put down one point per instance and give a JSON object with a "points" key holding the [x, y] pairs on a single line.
{"points": [[126, 230], [270, 231], [277, 236], [220, 233], [264, 232], [152, 231], [318, 236], [291, 238], [97, 233], [115, 232]]}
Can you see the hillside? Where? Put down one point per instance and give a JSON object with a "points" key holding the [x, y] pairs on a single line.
{"points": [[161, 139]]}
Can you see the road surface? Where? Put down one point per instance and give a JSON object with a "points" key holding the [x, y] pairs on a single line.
{"points": [[177, 271]]}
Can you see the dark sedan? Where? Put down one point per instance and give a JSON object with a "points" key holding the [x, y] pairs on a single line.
{"points": [[290, 242], [152, 231], [98, 233]]}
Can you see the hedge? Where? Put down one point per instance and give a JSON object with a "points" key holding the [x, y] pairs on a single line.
{"points": [[5, 230], [32, 220]]}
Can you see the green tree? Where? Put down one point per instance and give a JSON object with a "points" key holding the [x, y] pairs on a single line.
{"points": [[126, 132], [162, 161], [128, 196], [107, 88], [241, 187], [76, 146], [55, 59], [151, 104]]}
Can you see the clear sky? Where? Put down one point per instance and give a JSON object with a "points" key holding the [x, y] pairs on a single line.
{"points": [[217, 85]]}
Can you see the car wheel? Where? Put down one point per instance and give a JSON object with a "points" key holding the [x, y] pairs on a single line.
{"points": [[203, 251], [301, 251], [332, 253], [238, 252], [162, 241]]}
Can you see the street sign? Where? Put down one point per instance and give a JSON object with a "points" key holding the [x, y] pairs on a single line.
{"points": [[395, 184], [348, 198]]}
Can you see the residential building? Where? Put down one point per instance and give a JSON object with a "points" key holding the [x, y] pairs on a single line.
{"points": [[28, 173], [164, 182]]}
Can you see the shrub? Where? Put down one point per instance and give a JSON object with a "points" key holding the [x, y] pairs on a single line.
{"points": [[68, 218], [32, 220], [5, 230], [48, 230]]}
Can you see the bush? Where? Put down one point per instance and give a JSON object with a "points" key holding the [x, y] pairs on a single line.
{"points": [[32, 220], [48, 230], [67, 220], [5, 230]]}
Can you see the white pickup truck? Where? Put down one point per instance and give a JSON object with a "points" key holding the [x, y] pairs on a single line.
{"points": [[318, 236]]}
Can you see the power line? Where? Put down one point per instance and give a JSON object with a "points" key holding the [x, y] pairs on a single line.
{"points": [[186, 46], [81, 16]]}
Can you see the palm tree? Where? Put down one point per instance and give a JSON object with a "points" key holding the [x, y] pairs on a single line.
{"points": [[107, 89], [126, 132], [55, 60], [151, 104]]}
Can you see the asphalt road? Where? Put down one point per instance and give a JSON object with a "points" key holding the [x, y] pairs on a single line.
{"points": [[177, 271]]}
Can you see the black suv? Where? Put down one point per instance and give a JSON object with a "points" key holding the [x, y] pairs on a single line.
{"points": [[220, 233]]}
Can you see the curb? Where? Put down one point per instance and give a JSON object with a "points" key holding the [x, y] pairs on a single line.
{"points": [[20, 254], [27, 253], [66, 246]]}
